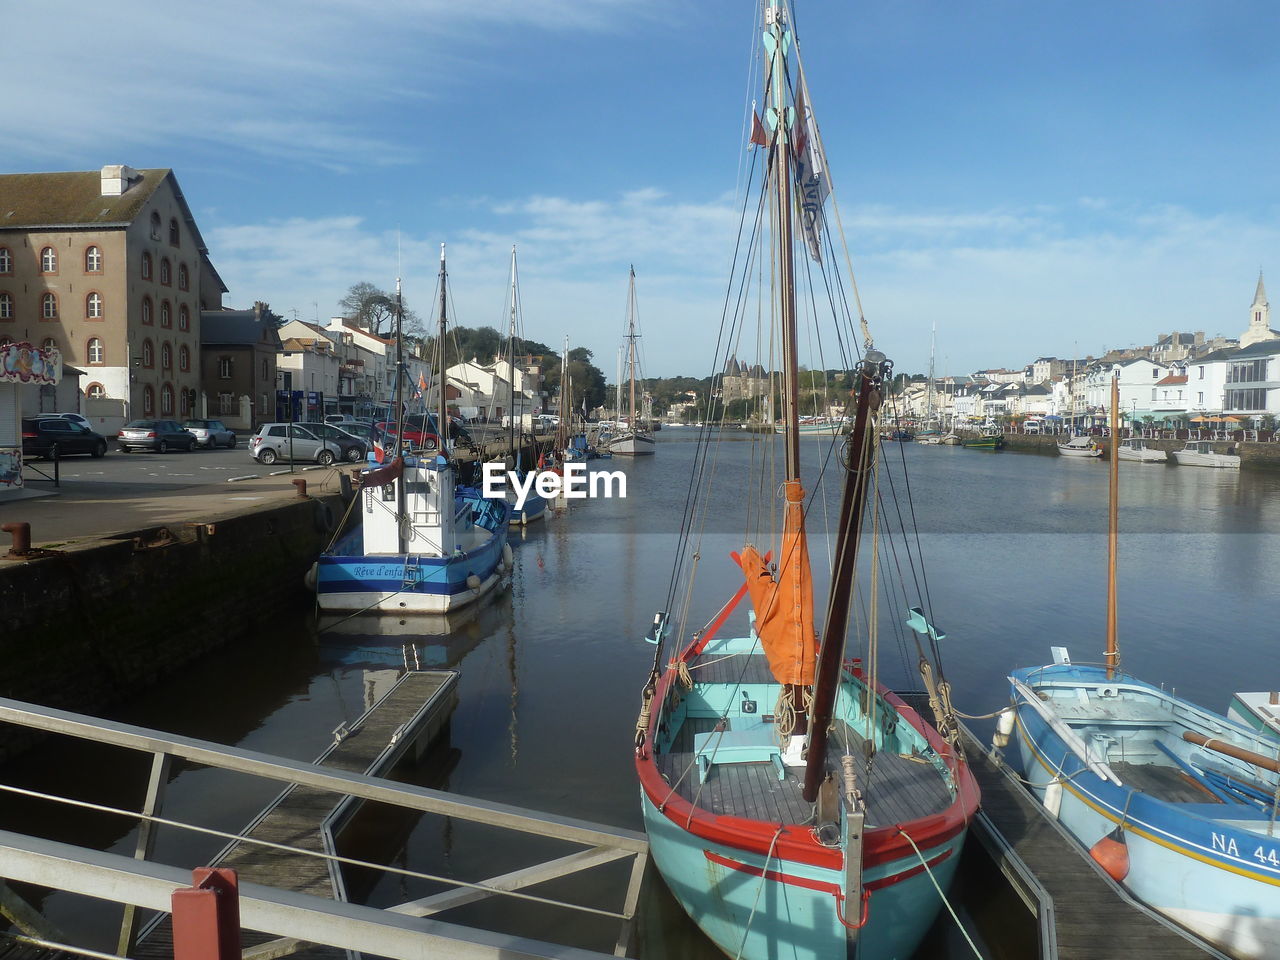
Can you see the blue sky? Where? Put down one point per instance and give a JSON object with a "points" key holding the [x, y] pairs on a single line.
{"points": [[1028, 176]]}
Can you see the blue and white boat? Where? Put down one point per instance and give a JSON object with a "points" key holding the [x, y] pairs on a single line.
{"points": [[1177, 802], [797, 807], [419, 543], [1173, 801]]}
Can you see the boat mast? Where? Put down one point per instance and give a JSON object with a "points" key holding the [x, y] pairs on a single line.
{"points": [[617, 390], [1113, 528], [441, 422], [777, 41], [562, 428], [631, 340], [402, 507], [511, 363]]}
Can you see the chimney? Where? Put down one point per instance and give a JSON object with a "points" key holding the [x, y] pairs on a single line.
{"points": [[117, 179]]}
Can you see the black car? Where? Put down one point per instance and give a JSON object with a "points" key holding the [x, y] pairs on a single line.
{"points": [[353, 448], [52, 437]]}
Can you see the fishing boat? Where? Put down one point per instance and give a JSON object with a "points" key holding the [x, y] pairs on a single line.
{"points": [[418, 542], [1079, 447], [634, 440], [951, 439], [1199, 453], [1137, 450], [1175, 802], [796, 806], [987, 441], [1260, 710]]}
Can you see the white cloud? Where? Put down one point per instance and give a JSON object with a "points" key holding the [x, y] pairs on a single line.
{"points": [[295, 78], [1003, 286]]}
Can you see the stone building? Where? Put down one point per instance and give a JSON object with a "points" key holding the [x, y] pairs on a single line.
{"points": [[1259, 329], [743, 382], [109, 267], [238, 360]]}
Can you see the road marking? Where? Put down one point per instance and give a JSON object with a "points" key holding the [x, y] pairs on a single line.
{"points": [[246, 498], [247, 476]]}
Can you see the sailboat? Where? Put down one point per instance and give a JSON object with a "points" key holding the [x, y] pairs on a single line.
{"points": [[634, 439], [795, 805], [418, 543], [1175, 802], [534, 506]]}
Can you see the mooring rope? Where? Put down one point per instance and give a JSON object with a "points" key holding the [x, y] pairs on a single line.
{"points": [[942, 896], [764, 878]]}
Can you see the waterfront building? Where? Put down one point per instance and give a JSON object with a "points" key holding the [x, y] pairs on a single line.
{"points": [[1138, 378], [109, 267], [238, 353], [1259, 328], [309, 362], [1252, 387], [743, 381]]}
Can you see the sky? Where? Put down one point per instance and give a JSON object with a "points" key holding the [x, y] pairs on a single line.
{"points": [[1043, 178]]}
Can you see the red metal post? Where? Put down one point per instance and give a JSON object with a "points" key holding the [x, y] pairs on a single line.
{"points": [[301, 485], [21, 538], [206, 916]]}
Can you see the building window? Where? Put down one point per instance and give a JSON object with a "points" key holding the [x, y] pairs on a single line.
{"points": [[6, 260], [93, 306], [1246, 400], [49, 306], [224, 368], [148, 354], [155, 225], [166, 400], [93, 260], [166, 357], [6, 306], [95, 352], [166, 318], [1202, 373], [184, 403], [149, 400], [146, 266], [266, 369], [49, 344], [95, 391], [165, 276], [1153, 393], [184, 317], [184, 279], [48, 260], [1251, 371], [173, 232], [184, 358], [226, 405]]}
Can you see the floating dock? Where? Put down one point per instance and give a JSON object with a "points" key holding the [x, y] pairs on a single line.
{"points": [[400, 724], [1082, 913]]}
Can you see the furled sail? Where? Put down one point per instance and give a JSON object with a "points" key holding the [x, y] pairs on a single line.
{"points": [[784, 604]]}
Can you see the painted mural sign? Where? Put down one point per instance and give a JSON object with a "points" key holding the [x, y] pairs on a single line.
{"points": [[10, 468], [23, 363]]}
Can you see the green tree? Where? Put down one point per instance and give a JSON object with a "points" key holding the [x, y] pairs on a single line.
{"points": [[374, 309]]}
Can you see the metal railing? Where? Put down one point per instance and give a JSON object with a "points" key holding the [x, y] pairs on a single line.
{"points": [[400, 931]]}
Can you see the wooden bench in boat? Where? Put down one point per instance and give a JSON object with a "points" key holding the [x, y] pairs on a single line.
{"points": [[747, 740]]}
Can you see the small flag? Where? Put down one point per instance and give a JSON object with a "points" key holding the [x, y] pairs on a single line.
{"points": [[758, 136], [379, 453]]}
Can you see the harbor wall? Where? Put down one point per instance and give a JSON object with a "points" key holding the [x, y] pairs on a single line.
{"points": [[97, 622], [1253, 456]]}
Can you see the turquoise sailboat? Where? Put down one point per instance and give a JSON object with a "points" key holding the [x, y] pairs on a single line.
{"points": [[796, 806]]}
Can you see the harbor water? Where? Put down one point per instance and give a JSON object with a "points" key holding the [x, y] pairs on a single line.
{"points": [[1014, 551]]}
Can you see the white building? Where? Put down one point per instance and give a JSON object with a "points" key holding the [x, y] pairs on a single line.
{"points": [[1259, 328]]}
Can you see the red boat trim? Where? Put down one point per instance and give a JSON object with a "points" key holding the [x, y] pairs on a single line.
{"points": [[776, 875], [906, 874], [381, 476]]}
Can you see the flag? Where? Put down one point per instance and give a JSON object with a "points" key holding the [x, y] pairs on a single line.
{"points": [[758, 136], [812, 182], [379, 453]]}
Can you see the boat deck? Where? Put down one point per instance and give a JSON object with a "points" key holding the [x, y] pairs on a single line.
{"points": [[1162, 782], [897, 789]]}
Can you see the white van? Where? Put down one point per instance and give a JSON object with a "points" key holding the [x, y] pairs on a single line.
{"points": [[1032, 425]]}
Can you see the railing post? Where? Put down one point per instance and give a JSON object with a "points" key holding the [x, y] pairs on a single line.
{"points": [[206, 916], [160, 764]]}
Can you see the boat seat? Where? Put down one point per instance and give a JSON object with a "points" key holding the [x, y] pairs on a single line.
{"points": [[747, 740]]}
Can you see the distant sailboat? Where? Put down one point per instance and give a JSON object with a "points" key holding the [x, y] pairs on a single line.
{"points": [[634, 439]]}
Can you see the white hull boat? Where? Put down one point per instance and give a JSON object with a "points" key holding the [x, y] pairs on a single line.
{"points": [[1139, 452], [1199, 453]]}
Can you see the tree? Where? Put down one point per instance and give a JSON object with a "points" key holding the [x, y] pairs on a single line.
{"points": [[373, 309]]}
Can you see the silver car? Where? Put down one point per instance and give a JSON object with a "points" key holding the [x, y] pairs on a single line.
{"points": [[285, 441], [211, 433]]}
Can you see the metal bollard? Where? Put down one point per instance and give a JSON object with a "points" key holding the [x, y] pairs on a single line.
{"points": [[301, 484], [21, 538], [206, 916]]}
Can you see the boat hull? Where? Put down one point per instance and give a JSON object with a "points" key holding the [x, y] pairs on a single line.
{"points": [[1144, 455], [632, 445], [535, 508], [758, 907], [984, 443], [1084, 450], [1216, 878], [1225, 461]]}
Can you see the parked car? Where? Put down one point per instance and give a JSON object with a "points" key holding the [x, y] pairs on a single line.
{"points": [[73, 417], [53, 437], [211, 433], [158, 435], [281, 441], [351, 448], [417, 436], [365, 431]]}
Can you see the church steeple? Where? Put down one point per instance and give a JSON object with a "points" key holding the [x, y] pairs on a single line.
{"points": [[1259, 317]]}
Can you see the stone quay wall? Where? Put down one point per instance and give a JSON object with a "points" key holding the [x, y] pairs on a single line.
{"points": [[1253, 456]]}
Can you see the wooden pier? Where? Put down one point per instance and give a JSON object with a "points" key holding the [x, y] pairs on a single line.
{"points": [[308, 820], [1083, 914]]}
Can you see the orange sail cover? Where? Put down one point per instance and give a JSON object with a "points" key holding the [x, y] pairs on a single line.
{"points": [[784, 606]]}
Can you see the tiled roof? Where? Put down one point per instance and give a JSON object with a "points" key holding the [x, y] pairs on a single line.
{"points": [[34, 200], [1171, 379]]}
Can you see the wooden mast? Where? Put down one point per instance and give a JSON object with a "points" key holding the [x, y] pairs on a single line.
{"points": [[511, 362], [442, 424], [1113, 528], [631, 340], [402, 507]]}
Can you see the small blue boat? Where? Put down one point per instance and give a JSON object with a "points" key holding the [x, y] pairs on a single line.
{"points": [[1176, 802]]}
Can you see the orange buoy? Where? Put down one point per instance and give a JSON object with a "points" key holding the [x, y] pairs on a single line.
{"points": [[1111, 853]]}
